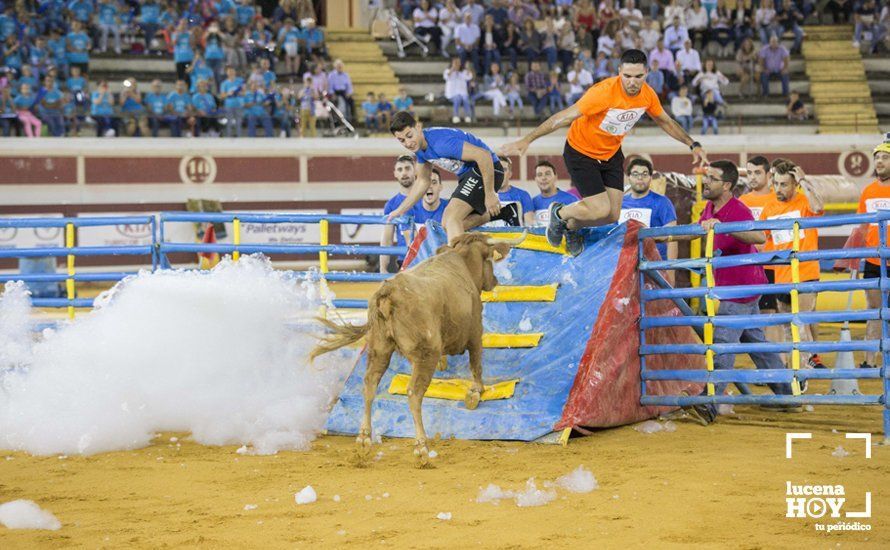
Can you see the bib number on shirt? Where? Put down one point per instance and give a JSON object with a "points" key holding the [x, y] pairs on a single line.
{"points": [[873, 205], [786, 236], [618, 122], [642, 215]]}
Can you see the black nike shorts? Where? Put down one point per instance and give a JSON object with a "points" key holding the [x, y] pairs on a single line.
{"points": [[471, 191], [591, 176]]}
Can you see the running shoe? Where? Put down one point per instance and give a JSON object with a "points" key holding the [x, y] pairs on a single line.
{"points": [[574, 242], [509, 214], [703, 414], [815, 362], [864, 365], [557, 227]]}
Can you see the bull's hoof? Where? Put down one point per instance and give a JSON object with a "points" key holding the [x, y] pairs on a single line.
{"points": [[471, 401], [363, 447], [422, 456]]}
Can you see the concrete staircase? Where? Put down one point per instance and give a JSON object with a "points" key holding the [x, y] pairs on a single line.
{"points": [[838, 84], [367, 66]]}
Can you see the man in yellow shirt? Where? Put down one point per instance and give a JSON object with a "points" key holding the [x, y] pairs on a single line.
{"points": [[790, 203]]}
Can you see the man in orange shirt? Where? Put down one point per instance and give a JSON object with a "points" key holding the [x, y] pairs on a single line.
{"points": [[873, 198], [598, 123], [792, 204], [761, 194]]}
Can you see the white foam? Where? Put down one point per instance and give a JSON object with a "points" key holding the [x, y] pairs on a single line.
{"points": [[532, 496], [306, 495], [25, 514], [444, 516], [209, 354], [840, 452], [579, 480], [493, 494]]}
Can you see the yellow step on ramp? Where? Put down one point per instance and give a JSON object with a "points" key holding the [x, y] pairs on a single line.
{"points": [[454, 389], [524, 340], [538, 293], [531, 242]]}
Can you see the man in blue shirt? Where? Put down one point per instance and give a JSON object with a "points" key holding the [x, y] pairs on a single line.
{"points": [[178, 104], [545, 177], [648, 207], [51, 106], [230, 91], [205, 109], [479, 172], [156, 105], [78, 46], [404, 172], [432, 207], [257, 103]]}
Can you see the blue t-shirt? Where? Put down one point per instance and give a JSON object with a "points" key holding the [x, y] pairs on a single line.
{"points": [[53, 96], [254, 101], [421, 214], [199, 73], [370, 108], [403, 104], [541, 205], [79, 42], [391, 205], [178, 102], [520, 197], [653, 210], [150, 13], [213, 51], [156, 103], [107, 13], [24, 102], [131, 106], [244, 14], [444, 147], [104, 107], [182, 48], [76, 83], [269, 78], [229, 86], [57, 47], [82, 9], [204, 102]]}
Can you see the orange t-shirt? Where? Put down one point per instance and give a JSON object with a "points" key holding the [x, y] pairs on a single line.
{"points": [[756, 201], [798, 207], [607, 114], [873, 198]]}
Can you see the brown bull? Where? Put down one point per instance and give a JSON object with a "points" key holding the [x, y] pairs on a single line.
{"points": [[426, 312]]}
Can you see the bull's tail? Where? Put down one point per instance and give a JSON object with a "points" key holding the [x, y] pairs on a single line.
{"points": [[342, 335]]}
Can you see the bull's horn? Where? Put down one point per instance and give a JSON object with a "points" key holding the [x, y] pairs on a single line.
{"points": [[511, 242], [497, 256]]}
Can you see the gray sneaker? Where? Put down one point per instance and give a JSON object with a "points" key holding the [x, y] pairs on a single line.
{"points": [[574, 242], [557, 227]]}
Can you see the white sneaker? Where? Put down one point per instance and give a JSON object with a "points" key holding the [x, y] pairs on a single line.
{"points": [[856, 44], [282, 134], [455, 119], [468, 119]]}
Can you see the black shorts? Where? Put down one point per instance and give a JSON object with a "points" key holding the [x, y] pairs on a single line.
{"points": [[471, 191], [591, 176], [872, 271], [768, 301]]}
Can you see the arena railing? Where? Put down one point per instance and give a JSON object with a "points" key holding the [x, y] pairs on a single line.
{"points": [[324, 249], [710, 320], [71, 251]]}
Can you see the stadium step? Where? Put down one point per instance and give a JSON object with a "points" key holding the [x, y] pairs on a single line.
{"points": [[365, 63], [838, 81]]}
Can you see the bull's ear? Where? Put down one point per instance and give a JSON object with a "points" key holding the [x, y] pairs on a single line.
{"points": [[499, 251]]}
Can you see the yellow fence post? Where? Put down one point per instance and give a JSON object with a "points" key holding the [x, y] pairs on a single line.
{"points": [[795, 308], [695, 244], [69, 282], [236, 238], [323, 241], [710, 306]]}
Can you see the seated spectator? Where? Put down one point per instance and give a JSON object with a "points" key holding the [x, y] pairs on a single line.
{"points": [[204, 107], [697, 24], [866, 18], [384, 111], [649, 35], [403, 102], [554, 94], [314, 38], [607, 40], [257, 108], [681, 109], [579, 80], [675, 10], [133, 120], [742, 19], [230, 91], [23, 103], [199, 71], [474, 10], [26, 76], [666, 64], [530, 41], [607, 12], [631, 14], [655, 78], [545, 178], [449, 19], [369, 106], [490, 41], [13, 54], [498, 10], [57, 46], [765, 21], [102, 110], [156, 106], [39, 55], [289, 38], [774, 62], [585, 17], [308, 96], [688, 62], [789, 18], [510, 45], [50, 107], [709, 113], [748, 59], [626, 38], [711, 80], [514, 95], [536, 83], [456, 90], [796, 109], [426, 24], [466, 40], [149, 21], [78, 47], [520, 11], [179, 104], [675, 35], [602, 69], [493, 89], [721, 30], [108, 21], [340, 87], [245, 12], [8, 115]]}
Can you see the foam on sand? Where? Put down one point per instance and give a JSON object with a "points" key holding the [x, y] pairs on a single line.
{"points": [[26, 514], [215, 354]]}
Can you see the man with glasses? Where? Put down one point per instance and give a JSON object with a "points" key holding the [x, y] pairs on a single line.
{"points": [[722, 207], [648, 207]]}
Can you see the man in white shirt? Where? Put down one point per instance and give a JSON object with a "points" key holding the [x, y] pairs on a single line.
{"points": [[675, 35], [632, 15], [688, 61], [579, 80], [649, 34], [456, 79], [466, 40], [475, 10]]}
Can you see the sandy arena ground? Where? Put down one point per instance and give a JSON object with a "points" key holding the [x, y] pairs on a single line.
{"points": [[721, 486]]}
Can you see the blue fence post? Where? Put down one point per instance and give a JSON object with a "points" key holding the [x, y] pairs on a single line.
{"points": [[885, 329], [642, 275], [154, 243]]}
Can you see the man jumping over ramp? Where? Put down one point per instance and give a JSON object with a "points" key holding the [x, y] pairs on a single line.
{"points": [[597, 124]]}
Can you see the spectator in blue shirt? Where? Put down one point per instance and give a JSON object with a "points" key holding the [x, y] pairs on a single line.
{"points": [[214, 54], [13, 54], [370, 106], [8, 116], [257, 104], [102, 110], [178, 107], [134, 122], [340, 86], [545, 178], [108, 21], [199, 71], [514, 198], [403, 102], [270, 79], [384, 110], [58, 51], [149, 21], [51, 106], [39, 55], [183, 54], [431, 207], [648, 207], [27, 77], [230, 91], [394, 235], [78, 46], [204, 106], [245, 12], [23, 103], [314, 38], [289, 38], [155, 103], [655, 78], [78, 88], [82, 10]]}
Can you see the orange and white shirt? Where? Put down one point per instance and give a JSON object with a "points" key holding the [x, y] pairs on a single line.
{"points": [[797, 207], [608, 114], [756, 201], [873, 198]]}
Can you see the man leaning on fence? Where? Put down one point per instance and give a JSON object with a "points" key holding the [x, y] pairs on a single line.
{"points": [[717, 185]]}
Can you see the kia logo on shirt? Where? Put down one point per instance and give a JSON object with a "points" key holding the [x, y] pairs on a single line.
{"points": [[627, 117], [134, 230]]}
